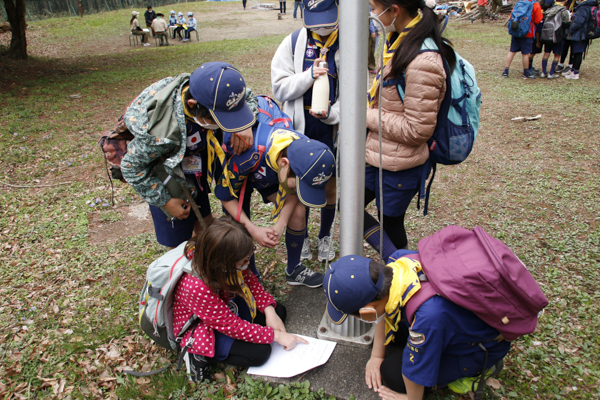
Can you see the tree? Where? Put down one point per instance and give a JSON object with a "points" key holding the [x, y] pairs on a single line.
{"points": [[16, 17]]}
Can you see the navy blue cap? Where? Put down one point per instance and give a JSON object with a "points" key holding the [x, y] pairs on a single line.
{"points": [[320, 13], [348, 287], [222, 89], [313, 164]]}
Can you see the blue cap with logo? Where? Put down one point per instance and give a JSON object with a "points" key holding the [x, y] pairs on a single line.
{"points": [[222, 89], [313, 164], [348, 286], [320, 13]]}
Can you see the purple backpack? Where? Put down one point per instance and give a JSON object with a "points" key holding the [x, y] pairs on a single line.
{"points": [[479, 273]]}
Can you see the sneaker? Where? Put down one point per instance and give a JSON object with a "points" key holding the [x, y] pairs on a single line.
{"points": [[147, 44], [326, 251], [565, 71], [306, 253], [505, 74], [304, 276], [543, 75], [185, 40], [470, 384], [572, 75], [533, 71], [198, 368], [559, 68], [528, 76], [553, 76]]}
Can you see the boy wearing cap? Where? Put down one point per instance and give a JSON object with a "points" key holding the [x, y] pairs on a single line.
{"points": [[159, 26], [191, 26], [181, 25], [294, 69], [172, 19], [291, 172], [176, 145], [438, 341]]}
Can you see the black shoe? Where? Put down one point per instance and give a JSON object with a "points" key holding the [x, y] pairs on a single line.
{"points": [[528, 76], [304, 276], [199, 369], [505, 74], [533, 71], [559, 68]]}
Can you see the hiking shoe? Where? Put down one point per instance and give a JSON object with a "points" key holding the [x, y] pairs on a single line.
{"points": [[304, 276], [543, 75], [199, 370], [528, 76], [572, 75], [553, 76], [326, 251], [505, 74], [470, 384], [533, 71], [566, 71], [306, 253], [559, 68]]}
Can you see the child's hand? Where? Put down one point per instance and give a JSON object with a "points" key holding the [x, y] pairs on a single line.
{"points": [[373, 373], [288, 341], [322, 115], [242, 141], [318, 71], [264, 237], [273, 320]]}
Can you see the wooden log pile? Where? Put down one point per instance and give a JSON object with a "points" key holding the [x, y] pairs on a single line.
{"points": [[474, 13]]}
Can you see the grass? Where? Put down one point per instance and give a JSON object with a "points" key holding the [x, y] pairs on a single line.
{"points": [[67, 314]]}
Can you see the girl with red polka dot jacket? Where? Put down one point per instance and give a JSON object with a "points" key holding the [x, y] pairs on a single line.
{"points": [[238, 318]]}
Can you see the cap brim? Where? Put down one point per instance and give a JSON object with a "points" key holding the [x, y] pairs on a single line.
{"points": [[234, 121], [311, 196], [337, 317], [321, 18]]}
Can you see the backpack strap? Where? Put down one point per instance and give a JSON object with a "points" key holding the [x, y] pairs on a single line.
{"points": [[425, 293], [295, 35]]}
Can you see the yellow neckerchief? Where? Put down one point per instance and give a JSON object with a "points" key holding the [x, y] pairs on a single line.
{"points": [[280, 139], [213, 147], [248, 296], [405, 283], [388, 53], [324, 48]]}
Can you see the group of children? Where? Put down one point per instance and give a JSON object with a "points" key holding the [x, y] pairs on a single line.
{"points": [[194, 130], [181, 24], [566, 25], [158, 27]]}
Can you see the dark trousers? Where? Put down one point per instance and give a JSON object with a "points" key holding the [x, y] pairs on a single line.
{"points": [[282, 7], [298, 5], [393, 226]]}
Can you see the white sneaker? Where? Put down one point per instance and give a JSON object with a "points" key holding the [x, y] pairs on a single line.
{"points": [[147, 44], [572, 75], [326, 251], [306, 253]]}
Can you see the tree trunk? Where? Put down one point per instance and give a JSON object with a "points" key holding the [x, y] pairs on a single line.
{"points": [[15, 9]]}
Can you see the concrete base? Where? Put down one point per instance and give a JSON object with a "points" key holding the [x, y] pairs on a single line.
{"points": [[344, 374]]}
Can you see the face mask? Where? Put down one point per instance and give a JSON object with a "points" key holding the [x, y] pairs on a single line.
{"points": [[243, 267], [377, 320], [284, 184], [323, 31], [388, 29], [212, 127]]}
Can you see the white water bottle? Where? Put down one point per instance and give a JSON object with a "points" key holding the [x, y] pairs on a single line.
{"points": [[320, 93]]}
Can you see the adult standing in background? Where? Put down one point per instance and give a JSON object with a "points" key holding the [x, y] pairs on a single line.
{"points": [[150, 15], [298, 5], [282, 7]]}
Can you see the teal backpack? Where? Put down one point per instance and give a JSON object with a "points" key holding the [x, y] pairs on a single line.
{"points": [[458, 117]]}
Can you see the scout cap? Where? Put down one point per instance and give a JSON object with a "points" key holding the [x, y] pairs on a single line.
{"points": [[320, 13], [348, 286], [313, 164], [222, 89], [135, 13]]}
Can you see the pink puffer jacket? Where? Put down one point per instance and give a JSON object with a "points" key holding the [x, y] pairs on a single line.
{"points": [[407, 126]]}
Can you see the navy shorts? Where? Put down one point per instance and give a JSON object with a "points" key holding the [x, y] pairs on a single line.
{"points": [[555, 48], [399, 188], [535, 49], [173, 233], [523, 45]]}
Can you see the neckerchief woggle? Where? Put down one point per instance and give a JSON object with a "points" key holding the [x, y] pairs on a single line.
{"points": [[324, 48], [405, 283], [388, 53]]}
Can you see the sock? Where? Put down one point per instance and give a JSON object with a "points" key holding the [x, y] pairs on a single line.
{"points": [[526, 72], [530, 63], [293, 245], [306, 214], [327, 214], [576, 71], [553, 67], [506, 71], [371, 235], [544, 65]]}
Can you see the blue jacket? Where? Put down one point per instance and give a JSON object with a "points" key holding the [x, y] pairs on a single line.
{"points": [[581, 20]]}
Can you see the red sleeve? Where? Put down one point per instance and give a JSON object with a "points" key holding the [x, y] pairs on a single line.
{"points": [[263, 299], [537, 13], [214, 313]]}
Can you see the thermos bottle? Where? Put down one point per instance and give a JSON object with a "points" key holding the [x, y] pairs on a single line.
{"points": [[320, 93]]}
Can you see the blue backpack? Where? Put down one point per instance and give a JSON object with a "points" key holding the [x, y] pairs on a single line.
{"points": [[457, 120], [520, 18]]}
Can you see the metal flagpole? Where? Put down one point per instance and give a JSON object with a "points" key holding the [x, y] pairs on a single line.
{"points": [[354, 33]]}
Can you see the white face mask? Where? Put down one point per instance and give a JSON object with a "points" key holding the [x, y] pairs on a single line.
{"points": [[323, 31], [388, 29], [205, 125], [243, 267], [377, 320]]}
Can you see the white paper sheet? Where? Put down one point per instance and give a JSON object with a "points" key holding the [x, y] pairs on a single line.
{"points": [[285, 364]]}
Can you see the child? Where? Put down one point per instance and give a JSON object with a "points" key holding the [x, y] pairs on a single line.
{"points": [[293, 72], [439, 351], [582, 16], [180, 26], [176, 144], [238, 318], [291, 172], [191, 26], [524, 44], [551, 10], [172, 19]]}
